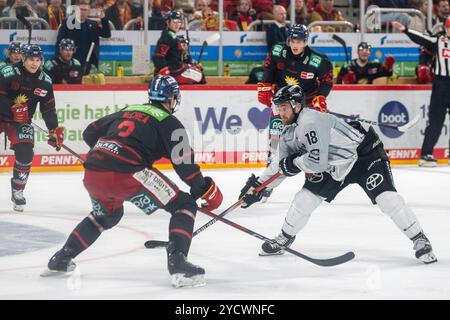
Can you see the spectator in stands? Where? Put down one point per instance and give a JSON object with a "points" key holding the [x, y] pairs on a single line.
{"points": [[55, 13], [387, 17], [156, 20], [416, 22], [101, 5], [163, 5], [202, 10], [184, 5], [88, 32], [302, 15], [19, 6], [123, 11], [199, 5], [244, 14], [442, 8], [362, 70], [325, 11], [41, 8], [277, 31], [263, 8]]}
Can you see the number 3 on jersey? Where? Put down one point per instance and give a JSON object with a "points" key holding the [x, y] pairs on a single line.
{"points": [[128, 127], [312, 137]]}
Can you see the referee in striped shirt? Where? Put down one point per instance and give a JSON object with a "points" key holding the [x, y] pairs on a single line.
{"points": [[439, 45]]}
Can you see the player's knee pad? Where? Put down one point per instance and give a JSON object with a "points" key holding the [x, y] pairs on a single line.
{"points": [[24, 152], [390, 202], [107, 221], [393, 205], [304, 203]]}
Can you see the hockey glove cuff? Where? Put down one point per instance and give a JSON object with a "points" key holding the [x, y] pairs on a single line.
{"points": [[319, 103], [213, 196], [265, 93], [349, 78], [164, 71], [56, 138], [248, 195], [389, 63], [287, 165]]}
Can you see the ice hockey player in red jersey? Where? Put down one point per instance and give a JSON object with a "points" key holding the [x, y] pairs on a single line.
{"points": [[362, 70], [124, 146], [169, 56], [22, 86]]}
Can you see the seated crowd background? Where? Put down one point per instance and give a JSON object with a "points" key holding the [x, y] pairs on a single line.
{"points": [[203, 14]]}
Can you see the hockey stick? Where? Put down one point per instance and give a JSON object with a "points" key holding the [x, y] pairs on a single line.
{"points": [[320, 262], [341, 41], [88, 57], [207, 42], [150, 244], [63, 145], [403, 128], [27, 25]]}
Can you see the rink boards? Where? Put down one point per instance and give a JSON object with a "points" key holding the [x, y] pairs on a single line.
{"points": [[228, 127]]}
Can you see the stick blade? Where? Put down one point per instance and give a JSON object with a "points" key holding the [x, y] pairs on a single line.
{"points": [[409, 125], [212, 38], [151, 244]]}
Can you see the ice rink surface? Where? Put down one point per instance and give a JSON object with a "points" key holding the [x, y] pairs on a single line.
{"points": [[118, 266]]}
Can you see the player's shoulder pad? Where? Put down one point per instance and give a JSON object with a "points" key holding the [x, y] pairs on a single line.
{"points": [[7, 71], [45, 77], [277, 50], [49, 64], [172, 34], [75, 62]]}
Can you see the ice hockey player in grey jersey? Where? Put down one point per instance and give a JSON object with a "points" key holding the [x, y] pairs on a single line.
{"points": [[333, 154]]}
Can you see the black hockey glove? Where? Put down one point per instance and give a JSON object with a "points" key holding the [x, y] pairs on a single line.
{"points": [[247, 192], [287, 165]]}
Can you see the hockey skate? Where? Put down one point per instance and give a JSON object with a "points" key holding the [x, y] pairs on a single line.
{"points": [[424, 251], [275, 246], [184, 273], [17, 198], [427, 161], [60, 264], [266, 195]]}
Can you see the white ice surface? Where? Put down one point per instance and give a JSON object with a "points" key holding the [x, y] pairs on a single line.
{"points": [[117, 266]]}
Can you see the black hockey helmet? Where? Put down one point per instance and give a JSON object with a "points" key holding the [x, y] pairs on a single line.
{"points": [[174, 15], [364, 46], [67, 44], [15, 47], [32, 51], [292, 94], [298, 31], [162, 89]]}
